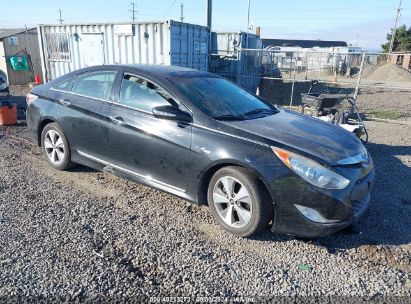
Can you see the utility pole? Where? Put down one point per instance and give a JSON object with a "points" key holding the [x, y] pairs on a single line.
{"points": [[248, 16], [209, 19], [209, 14], [60, 18], [248, 22], [133, 11], [394, 30], [182, 11]]}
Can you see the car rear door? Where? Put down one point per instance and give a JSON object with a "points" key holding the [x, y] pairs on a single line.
{"points": [[143, 145], [85, 115]]}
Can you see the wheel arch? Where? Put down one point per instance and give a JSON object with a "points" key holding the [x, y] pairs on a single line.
{"points": [[40, 128], [213, 168]]}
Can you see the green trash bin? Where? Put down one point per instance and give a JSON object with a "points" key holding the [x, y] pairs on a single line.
{"points": [[19, 63]]}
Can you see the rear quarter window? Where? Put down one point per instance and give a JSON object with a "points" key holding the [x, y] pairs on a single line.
{"points": [[95, 85], [64, 85]]}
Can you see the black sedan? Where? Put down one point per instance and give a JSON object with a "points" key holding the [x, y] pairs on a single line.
{"points": [[202, 138]]}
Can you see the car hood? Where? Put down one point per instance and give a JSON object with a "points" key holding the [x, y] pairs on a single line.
{"points": [[308, 135]]}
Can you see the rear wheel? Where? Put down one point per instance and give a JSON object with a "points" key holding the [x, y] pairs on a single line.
{"points": [[238, 201], [55, 147]]}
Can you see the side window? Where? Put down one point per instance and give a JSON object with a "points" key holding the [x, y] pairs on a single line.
{"points": [[64, 85], [142, 94], [95, 84]]}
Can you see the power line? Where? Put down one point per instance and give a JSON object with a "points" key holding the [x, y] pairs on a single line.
{"points": [[60, 18], [133, 11], [168, 10]]}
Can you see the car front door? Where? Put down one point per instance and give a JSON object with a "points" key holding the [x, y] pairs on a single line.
{"points": [[84, 118], [150, 148]]}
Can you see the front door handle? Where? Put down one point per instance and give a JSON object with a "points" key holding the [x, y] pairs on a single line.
{"points": [[64, 102], [117, 120]]}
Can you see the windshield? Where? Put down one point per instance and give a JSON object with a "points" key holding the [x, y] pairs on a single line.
{"points": [[222, 99]]}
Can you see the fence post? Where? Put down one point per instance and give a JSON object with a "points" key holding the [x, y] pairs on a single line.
{"points": [[357, 87], [292, 86]]}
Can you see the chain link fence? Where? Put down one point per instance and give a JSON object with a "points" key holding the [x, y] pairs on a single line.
{"points": [[281, 77]]}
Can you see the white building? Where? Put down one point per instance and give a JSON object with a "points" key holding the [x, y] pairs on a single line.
{"points": [[309, 55]]}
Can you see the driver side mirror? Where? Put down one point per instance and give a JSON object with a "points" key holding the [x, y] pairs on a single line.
{"points": [[171, 113]]}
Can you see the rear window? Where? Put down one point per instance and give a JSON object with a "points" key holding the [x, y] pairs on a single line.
{"points": [[96, 84]]}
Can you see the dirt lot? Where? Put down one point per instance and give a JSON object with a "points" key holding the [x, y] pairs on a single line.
{"points": [[85, 235], [377, 99]]}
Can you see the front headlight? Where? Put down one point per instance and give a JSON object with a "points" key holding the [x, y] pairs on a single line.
{"points": [[311, 171]]}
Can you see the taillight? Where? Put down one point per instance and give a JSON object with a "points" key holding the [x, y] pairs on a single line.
{"points": [[30, 98]]}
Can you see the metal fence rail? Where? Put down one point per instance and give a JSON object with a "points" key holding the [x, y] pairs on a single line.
{"points": [[282, 76]]}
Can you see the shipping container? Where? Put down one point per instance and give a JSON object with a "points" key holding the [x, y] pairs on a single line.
{"points": [[69, 47], [229, 58]]}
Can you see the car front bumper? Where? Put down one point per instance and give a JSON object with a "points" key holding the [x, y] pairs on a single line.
{"points": [[340, 207]]}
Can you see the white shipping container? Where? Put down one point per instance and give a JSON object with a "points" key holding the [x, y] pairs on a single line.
{"points": [[68, 47]]}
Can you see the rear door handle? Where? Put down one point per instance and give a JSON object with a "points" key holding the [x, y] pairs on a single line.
{"points": [[117, 120], [64, 102]]}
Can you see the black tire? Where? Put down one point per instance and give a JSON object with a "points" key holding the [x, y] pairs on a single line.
{"points": [[65, 162], [262, 205]]}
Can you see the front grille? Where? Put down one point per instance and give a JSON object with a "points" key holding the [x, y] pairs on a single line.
{"points": [[359, 206]]}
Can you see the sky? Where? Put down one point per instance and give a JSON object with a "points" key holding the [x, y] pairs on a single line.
{"points": [[359, 22]]}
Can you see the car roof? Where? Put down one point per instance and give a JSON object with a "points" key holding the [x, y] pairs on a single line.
{"points": [[170, 71], [164, 71]]}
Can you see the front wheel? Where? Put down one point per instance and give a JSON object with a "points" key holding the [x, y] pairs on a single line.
{"points": [[238, 202]]}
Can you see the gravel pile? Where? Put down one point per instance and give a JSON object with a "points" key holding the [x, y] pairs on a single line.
{"points": [[86, 236], [387, 72]]}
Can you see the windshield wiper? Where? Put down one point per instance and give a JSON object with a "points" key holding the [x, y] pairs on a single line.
{"points": [[229, 117], [258, 111], [245, 115]]}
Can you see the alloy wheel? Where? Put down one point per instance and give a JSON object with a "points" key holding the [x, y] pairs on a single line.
{"points": [[54, 147], [232, 202]]}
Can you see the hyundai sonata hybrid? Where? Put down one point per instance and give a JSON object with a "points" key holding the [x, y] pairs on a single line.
{"points": [[200, 137]]}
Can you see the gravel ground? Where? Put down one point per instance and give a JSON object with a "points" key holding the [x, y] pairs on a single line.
{"points": [[394, 100], [83, 235], [19, 90]]}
